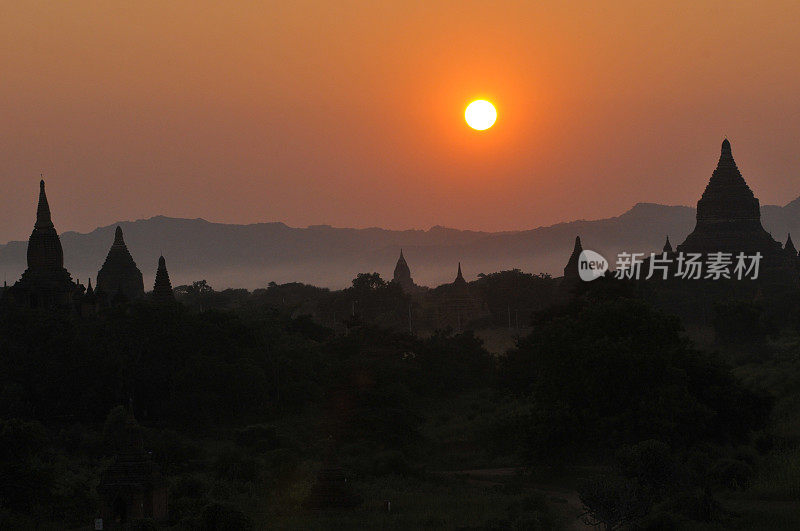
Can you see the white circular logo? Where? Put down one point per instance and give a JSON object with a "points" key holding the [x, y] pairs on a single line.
{"points": [[591, 265]]}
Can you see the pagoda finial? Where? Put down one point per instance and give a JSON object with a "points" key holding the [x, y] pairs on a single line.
{"points": [[118, 236], [578, 247], [43, 220], [726, 147], [667, 246], [459, 277]]}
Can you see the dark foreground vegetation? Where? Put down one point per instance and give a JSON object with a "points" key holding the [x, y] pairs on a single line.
{"points": [[606, 412]]}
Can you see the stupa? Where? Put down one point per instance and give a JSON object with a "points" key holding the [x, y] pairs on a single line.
{"points": [[45, 283], [460, 306], [402, 275], [728, 214], [729, 221]]}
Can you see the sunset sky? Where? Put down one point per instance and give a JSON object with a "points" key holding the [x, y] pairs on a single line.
{"points": [[352, 113]]}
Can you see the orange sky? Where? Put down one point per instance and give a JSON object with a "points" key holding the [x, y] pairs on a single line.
{"points": [[351, 113]]}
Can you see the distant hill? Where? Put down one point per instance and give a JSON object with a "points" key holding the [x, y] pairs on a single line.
{"points": [[252, 255]]}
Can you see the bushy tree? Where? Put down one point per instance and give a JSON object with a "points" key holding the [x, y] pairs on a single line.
{"points": [[617, 372], [514, 296]]}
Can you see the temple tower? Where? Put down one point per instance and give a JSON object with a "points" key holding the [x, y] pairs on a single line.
{"points": [[729, 221], [459, 282], [728, 215], [45, 283], [459, 305], [402, 274], [119, 274], [44, 246]]}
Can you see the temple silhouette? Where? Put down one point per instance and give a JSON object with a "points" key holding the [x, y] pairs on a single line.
{"points": [[119, 274], [452, 305], [402, 275], [46, 284], [728, 221]]}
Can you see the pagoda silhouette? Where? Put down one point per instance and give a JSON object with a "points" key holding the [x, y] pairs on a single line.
{"points": [[728, 221], [45, 283], [119, 275]]}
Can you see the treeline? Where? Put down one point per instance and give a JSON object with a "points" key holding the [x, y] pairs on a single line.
{"points": [[238, 398], [511, 298]]}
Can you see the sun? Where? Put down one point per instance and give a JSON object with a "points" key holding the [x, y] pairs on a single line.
{"points": [[480, 115]]}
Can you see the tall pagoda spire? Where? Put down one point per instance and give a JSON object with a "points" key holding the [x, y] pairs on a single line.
{"points": [[401, 269], [459, 281], [44, 246], [162, 289], [402, 274], [45, 283], [667, 246], [43, 220]]}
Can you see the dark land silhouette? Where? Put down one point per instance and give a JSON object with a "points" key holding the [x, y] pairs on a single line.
{"points": [[509, 400]]}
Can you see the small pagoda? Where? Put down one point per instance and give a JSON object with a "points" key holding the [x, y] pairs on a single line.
{"points": [[162, 289], [402, 275]]}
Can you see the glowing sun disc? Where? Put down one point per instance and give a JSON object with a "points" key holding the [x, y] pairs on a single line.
{"points": [[480, 115]]}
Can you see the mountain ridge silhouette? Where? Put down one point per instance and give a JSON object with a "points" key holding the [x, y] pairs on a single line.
{"points": [[251, 255]]}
